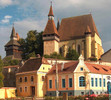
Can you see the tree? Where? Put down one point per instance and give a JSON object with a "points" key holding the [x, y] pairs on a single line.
{"points": [[32, 45], [54, 55], [72, 54], [1, 75], [7, 61]]}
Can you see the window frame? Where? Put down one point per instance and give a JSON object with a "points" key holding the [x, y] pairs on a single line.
{"points": [[50, 84], [96, 82], [82, 82], [25, 79], [100, 82], [63, 83], [20, 79], [92, 82], [104, 82], [70, 85], [32, 78]]}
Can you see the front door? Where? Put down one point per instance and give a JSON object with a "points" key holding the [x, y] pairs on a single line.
{"points": [[33, 90]]}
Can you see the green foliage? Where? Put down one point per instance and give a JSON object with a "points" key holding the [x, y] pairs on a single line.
{"points": [[54, 55], [72, 54], [32, 45], [93, 59], [1, 75], [9, 61]]}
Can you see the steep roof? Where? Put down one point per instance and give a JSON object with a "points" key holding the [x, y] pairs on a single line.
{"points": [[98, 69], [12, 42], [50, 28], [32, 64], [68, 68], [75, 27], [51, 11], [13, 34]]}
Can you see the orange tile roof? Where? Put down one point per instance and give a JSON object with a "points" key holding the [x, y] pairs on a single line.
{"points": [[98, 69], [75, 27], [88, 30], [68, 68], [51, 11], [50, 28]]}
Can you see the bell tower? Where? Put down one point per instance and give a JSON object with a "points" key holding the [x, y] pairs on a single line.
{"points": [[50, 35]]}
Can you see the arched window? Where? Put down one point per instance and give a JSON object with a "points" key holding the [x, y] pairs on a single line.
{"points": [[79, 49], [82, 81]]}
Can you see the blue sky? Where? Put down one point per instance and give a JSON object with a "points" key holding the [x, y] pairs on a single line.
{"points": [[32, 15]]}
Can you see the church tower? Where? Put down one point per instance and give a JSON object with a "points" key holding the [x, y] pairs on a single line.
{"points": [[13, 48], [50, 35]]}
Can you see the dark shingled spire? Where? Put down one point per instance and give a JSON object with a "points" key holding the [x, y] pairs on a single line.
{"points": [[13, 34]]}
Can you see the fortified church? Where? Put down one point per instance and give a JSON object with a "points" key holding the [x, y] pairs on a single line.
{"points": [[79, 33]]}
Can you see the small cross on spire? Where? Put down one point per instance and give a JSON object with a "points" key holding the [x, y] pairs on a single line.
{"points": [[51, 3]]}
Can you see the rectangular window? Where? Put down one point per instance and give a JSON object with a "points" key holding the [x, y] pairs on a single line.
{"points": [[20, 80], [92, 82], [104, 83], [25, 89], [96, 82], [25, 79], [63, 83], [100, 84], [20, 89], [32, 79], [82, 81], [50, 83], [55, 83], [70, 82]]}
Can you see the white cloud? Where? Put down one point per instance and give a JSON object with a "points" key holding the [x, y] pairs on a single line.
{"points": [[6, 19], [5, 2]]}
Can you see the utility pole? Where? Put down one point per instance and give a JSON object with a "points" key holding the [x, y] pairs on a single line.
{"points": [[57, 92]]}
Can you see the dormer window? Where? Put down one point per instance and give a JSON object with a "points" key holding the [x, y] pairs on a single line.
{"points": [[81, 69]]}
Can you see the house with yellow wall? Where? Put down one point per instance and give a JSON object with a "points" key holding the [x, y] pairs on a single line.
{"points": [[78, 78], [30, 79]]}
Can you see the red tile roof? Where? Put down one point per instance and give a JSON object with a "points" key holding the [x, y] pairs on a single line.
{"points": [[68, 68], [51, 11], [75, 27], [50, 28], [32, 64], [98, 69]]}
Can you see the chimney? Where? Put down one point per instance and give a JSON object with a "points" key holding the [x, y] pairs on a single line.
{"points": [[62, 67], [38, 55]]}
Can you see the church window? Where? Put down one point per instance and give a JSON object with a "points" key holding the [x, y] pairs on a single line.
{"points": [[79, 49], [81, 81]]}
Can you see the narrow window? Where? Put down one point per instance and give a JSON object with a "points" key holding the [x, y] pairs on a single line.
{"points": [[43, 78], [81, 81], [20, 80], [20, 89], [25, 89], [70, 82], [25, 79], [100, 82], [55, 83], [79, 49], [104, 82], [63, 83], [50, 83], [92, 82], [96, 82], [32, 79]]}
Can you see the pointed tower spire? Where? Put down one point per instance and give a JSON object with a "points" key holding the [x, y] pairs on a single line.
{"points": [[13, 34], [58, 24], [51, 11]]}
